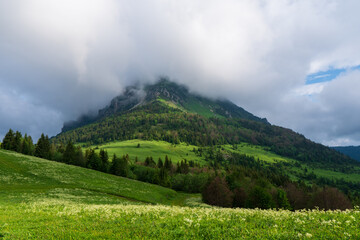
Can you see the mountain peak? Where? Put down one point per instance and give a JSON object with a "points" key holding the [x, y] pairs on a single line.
{"points": [[171, 94]]}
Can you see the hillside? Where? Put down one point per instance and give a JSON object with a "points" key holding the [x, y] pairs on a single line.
{"points": [[41, 199], [25, 177], [169, 112], [351, 151]]}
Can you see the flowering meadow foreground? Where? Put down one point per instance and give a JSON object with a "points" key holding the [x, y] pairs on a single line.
{"points": [[40, 199], [66, 220]]}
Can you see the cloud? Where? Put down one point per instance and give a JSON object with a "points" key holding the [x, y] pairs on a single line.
{"points": [[324, 112], [70, 57]]}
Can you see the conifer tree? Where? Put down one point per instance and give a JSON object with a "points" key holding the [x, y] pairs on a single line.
{"points": [[80, 159], [160, 163], [104, 160], [93, 160], [119, 166], [17, 142], [42, 149], [70, 155], [8, 140], [27, 147]]}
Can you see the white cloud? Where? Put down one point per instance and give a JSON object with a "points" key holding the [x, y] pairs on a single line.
{"points": [[324, 112], [72, 57]]}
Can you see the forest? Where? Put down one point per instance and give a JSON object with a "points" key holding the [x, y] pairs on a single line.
{"points": [[227, 180], [157, 121]]}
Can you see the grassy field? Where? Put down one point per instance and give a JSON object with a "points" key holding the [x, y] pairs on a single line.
{"points": [[182, 151], [257, 152], [40, 199], [59, 219], [24, 177], [155, 149], [353, 177], [337, 175]]}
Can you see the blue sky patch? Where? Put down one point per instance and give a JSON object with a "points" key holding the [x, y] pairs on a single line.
{"points": [[326, 76]]}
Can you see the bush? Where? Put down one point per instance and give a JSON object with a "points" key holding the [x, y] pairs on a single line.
{"points": [[259, 198]]}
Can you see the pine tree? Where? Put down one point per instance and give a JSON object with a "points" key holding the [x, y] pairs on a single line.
{"points": [[93, 160], [160, 163], [8, 140], [104, 160], [27, 147], [70, 155], [17, 142], [80, 159], [168, 163], [42, 149], [119, 166]]}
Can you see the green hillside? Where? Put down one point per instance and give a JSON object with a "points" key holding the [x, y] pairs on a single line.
{"points": [[41, 199], [351, 151], [24, 177], [182, 151], [155, 149], [179, 152]]}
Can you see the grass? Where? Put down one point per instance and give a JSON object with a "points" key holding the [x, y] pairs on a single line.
{"points": [[201, 107], [353, 177], [40, 199], [155, 149], [337, 175], [24, 177], [257, 152], [65, 220], [183, 151]]}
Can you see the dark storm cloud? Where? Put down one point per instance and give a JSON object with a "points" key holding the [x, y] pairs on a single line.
{"points": [[59, 59]]}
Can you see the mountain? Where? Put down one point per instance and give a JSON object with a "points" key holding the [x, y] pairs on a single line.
{"points": [[166, 111], [351, 151], [198, 137], [173, 95]]}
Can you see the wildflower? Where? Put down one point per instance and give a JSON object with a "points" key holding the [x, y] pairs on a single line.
{"points": [[308, 235]]}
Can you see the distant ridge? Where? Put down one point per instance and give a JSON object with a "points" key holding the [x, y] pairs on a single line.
{"points": [[351, 151]]}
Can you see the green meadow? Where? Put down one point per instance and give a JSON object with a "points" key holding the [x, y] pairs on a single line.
{"points": [[24, 177], [258, 152], [41, 199], [155, 149], [178, 152]]}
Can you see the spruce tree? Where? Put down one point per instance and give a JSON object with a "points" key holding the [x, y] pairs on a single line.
{"points": [[70, 155], [42, 149], [80, 159], [17, 142], [8, 140], [104, 160], [93, 160], [160, 163], [119, 166], [27, 146]]}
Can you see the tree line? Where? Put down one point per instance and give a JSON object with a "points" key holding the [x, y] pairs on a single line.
{"points": [[234, 180], [158, 122]]}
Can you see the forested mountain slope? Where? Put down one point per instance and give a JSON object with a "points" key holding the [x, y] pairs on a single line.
{"points": [[172, 94], [157, 120], [351, 151]]}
